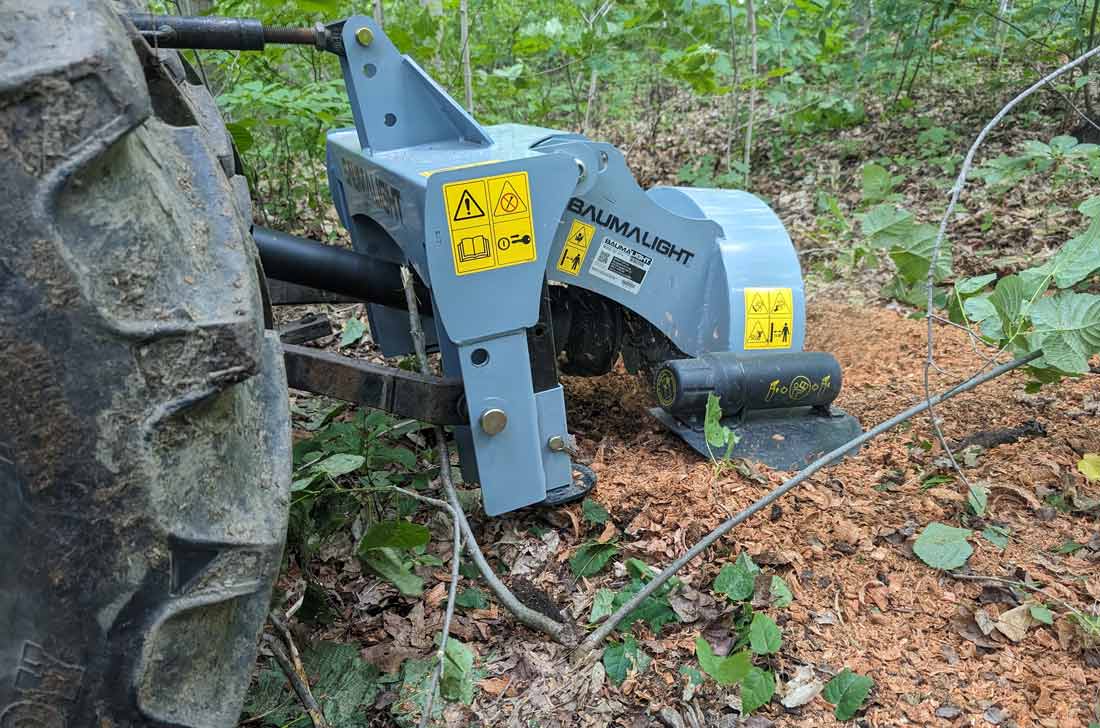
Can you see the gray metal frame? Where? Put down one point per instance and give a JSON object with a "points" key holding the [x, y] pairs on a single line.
{"points": [[696, 251]]}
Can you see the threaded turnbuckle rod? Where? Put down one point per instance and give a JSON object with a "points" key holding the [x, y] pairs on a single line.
{"points": [[231, 34]]}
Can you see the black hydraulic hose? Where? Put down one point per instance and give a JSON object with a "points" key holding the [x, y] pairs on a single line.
{"points": [[310, 263]]}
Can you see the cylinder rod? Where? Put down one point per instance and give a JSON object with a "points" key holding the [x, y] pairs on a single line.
{"points": [[227, 34]]}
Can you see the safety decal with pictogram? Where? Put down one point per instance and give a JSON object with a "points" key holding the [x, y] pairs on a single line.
{"points": [[490, 222], [769, 318]]}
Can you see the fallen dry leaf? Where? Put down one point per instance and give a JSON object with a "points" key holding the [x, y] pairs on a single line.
{"points": [[802, 688], [495, 685], [1015, 622]]}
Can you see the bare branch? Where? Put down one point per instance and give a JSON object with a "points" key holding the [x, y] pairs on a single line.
{"points": [[956, 191], [298, 682]]}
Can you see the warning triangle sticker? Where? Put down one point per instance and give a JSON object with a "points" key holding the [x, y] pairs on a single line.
{"points": [[758, 304], [758, 332], [467, 208], [780, 304], [509, 202]]}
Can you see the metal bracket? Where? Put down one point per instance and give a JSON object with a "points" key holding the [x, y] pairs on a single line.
{"points": [[429, 399]]}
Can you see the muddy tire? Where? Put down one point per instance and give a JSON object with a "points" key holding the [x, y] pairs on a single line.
{"points": [[144, 432]]}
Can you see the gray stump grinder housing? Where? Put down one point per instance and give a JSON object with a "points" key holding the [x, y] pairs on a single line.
{"points": [[144, 452]]}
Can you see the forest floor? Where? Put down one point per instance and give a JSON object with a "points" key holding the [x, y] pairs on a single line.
{"points": [[930, 640]]}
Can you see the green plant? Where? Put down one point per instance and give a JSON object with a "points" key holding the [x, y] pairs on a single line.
{"points": [[655, 611], [1039, 308], [345, 471], [755, 633], [718, 435], [1063, 158]]}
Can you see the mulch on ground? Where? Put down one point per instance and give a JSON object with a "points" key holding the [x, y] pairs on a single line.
{"points": [[843, 542]]}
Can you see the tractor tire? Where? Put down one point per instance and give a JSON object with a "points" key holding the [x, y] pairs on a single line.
{"points": [[144, 426]]}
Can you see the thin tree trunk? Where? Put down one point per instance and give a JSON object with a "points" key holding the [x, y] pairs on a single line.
{"points": [[751, 15], [1087, 64], [733, 88], [908, 58], [1000, 34], [435, 10], [379, 16], [464, 39], [591, 102]]}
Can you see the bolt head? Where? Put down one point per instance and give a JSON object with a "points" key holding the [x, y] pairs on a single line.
{"points": [[364, 35], [556, 443], [493, 421]]}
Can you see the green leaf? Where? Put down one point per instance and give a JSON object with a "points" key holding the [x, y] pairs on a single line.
{"points": [[591, 558], [381, 455], [877, 183], [457, 682], [339, 464], [912, 254], [968, 286], [387, 564], [471, 598], [1069, 546], [781, 593], [269, 696], [1078, 258], [942, 546], [1067, 329], [346, 687], [764, 635], [655, 610], [619, 658], [886, 225], [348, 683], [1040, 613], [602, 605], [593, 512], [757, 690], [398, 534], [353, 332], [996, 535], [847, 691], [1090, 207], [326, 7], [728, 670], [737, 580], [716, 433], [302, 483], [1089, 466], [1009, 301], [241, 134], [977, 498]]}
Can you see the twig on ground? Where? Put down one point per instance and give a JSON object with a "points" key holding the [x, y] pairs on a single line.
{"points": [[596, 638], [298, 682], [956, 191], [562, 633], [456, 558], [292, 649]]}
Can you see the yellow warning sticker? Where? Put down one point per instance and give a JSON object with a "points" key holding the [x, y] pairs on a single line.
{"points": [[490, 222], [575, 248], [430, 172], [769, 318]]}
